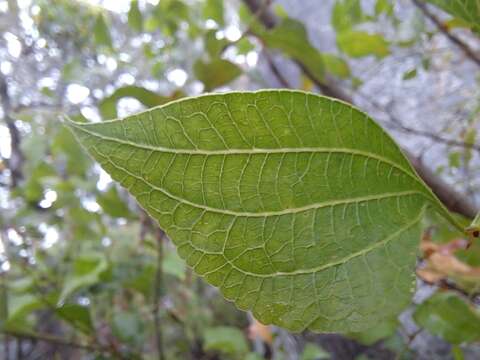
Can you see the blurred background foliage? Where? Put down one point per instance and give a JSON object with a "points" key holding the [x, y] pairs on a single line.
{"points": [[85, 274]]}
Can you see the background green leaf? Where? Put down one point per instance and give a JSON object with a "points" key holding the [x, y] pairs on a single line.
{"points": [[86, 271], [384, 6], [290, 37], [359, 44], [466, 10], [76, 315], [225, 339], [128, 327], [101, 31], [314, 352], [346, 14], [213, 9], [135, 18], [215, 73], [335, 65], [108, 105], [112, 204], [447, 315]]}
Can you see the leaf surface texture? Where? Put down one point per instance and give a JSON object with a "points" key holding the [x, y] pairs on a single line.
{"points": [[297, 207]]}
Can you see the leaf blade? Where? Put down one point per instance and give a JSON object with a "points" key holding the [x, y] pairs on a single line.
{"points": [[271, 197]]}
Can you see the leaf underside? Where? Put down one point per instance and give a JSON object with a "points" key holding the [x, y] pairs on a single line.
{"points": [[297, 207]]}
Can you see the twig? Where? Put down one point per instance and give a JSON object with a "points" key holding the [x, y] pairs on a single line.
{"points": [[398, 124], [275, 70], [259, 9], [15, 163], [270, 20], [52, 339], [472, 55], [410, 339], [259, 12], [149, 226], [157, 289], [19, 348], [36, 106], [435, 137], [4, 308]]}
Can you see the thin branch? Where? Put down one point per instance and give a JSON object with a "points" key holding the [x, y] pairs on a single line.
{"points": [[453, 200], [260, 10], [326, 87], [406, 347], [36, 106], [15, 163], [471, 54], [399, 125], [435, 137], [4, 308], [275, 70], [157, 289], [52, 339], [148, 225]]}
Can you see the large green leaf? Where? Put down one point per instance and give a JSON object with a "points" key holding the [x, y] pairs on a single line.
{"points": [[298, 207], [466, 10]]}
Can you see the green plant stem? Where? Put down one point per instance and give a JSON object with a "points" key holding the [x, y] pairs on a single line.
{"points": [[476, 221], [17, 158], [159, 235], [51, 339], [410, 338]]}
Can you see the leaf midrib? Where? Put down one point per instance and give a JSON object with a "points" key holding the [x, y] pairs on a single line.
{"points": [[269, 213], [252, 151]]}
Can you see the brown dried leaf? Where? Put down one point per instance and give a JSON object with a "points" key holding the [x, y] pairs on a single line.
{"points": [[441, 263], [260, 331]]}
